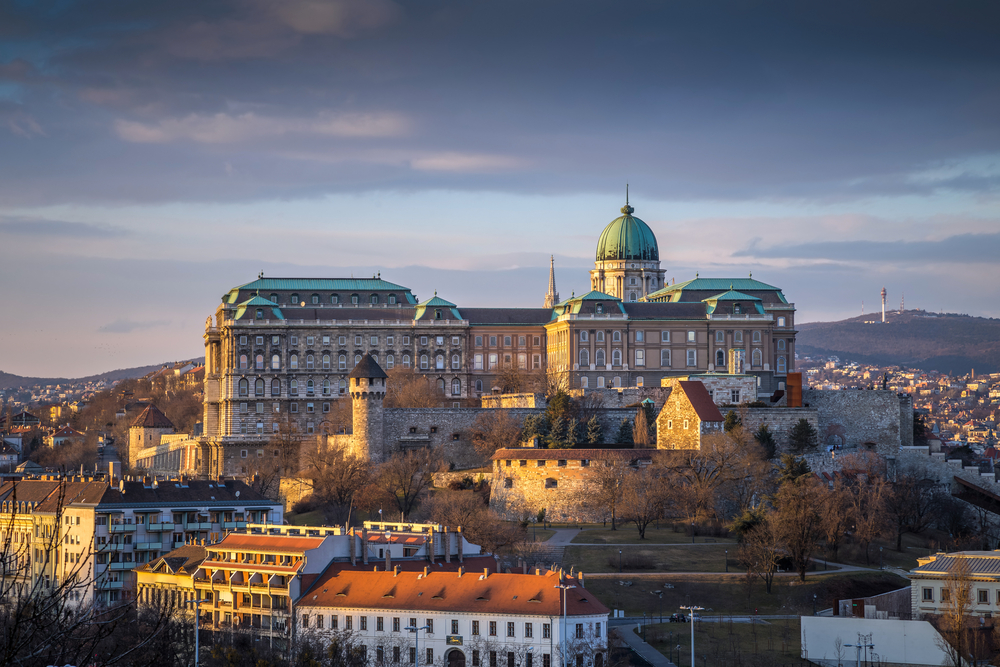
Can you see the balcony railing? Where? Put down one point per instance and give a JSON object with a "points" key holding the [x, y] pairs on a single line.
{"points": [[122, 528], [160, 527], [230, 525], [109, 585], [122, 566], [148, 546], [199, 525], [111, 548]]}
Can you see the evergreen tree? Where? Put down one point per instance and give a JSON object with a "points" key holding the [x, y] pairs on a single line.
{"points": [[595, 434], [535, 425], [640, 432], [919, 431], [792, 468], [560, 405], [625, 432], [557, 433], [765, 439], [732, 421], [572, 433], [803, 436]]}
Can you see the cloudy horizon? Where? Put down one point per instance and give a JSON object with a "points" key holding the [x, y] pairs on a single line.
{"points": [[154, 156]]}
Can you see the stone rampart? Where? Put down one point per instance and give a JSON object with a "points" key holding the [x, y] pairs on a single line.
{"points": [[869, 419]]}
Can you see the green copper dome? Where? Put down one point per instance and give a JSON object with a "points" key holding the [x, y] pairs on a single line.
{"points": [[627, 237]]}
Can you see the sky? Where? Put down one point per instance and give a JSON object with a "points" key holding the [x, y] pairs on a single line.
{"points": [[154, 155]]}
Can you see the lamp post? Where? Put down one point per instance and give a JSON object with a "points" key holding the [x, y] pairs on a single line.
{"points": [[692, 609], [727, 560], [416, 640], [814, 604], [619, 561], [564, 588], [196, 619], [858, 648], [880, 558], [692, 532]]}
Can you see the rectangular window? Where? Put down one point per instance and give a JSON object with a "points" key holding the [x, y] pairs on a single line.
{"points": [[510, 628], [423, 340], [379, 624], [395, 624], [348, 622], [665, 336], [390, 340], [691, 337], [546, 660], [640, 337], [640, 357], [493, 341], [406, 340], [734, 395], [475, 658], [455, 341], [430, 626], [984, 596], [326, 340], [928, 595], [363, 622], [333, 622], [454, 627], [374, 340], [243, 408], [493, 628], [319, 621], [294, 407], [243, 340], [597, 630], [342, 340], [357, 339], [475, 628], [579, 630], [537, 340], [478, 362], [506, 341], [528, 632], [309, 341], [305, 620], [430, 656], [945, 596], [546, 631], [294, 340], [692, 357], [536, 361], [493, 361], [479, 341]]}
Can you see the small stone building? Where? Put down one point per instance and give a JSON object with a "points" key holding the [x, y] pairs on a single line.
{"points": [[146, 431], [688, 415], [560, 481]]}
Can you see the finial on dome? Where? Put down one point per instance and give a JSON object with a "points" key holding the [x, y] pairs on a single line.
{"points": [[626, 209], [730, 286], [695, 274], [751, 274]]}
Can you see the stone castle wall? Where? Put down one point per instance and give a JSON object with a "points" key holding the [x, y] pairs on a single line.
{"points": [[861, 419]]}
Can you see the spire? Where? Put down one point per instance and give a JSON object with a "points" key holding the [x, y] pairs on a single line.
{"points": [[626, 209], [552, 296]]}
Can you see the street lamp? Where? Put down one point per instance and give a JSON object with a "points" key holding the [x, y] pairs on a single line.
{"points": [[692, 609], [858, 648], [565, 588], [416, 640], [814, 604], [727, 560], [196, 619], [619, 561], [692, 532], [880, 558]]}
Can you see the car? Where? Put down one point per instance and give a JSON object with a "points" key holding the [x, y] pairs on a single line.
{"points": [[678, 618]]}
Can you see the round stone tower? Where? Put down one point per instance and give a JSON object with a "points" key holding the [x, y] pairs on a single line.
{"points": [[367, 386]]}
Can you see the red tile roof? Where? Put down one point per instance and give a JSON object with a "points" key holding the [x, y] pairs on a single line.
{"points": [[267, 543], [151, 417], [526, 594], [701, 401], [477, 563]]}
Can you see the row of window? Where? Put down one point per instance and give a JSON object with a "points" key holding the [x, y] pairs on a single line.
{"points": [[982, 595], [358, 340], [315, 298], [493, 361], [508, 341], [318, 621], [325, 362]]}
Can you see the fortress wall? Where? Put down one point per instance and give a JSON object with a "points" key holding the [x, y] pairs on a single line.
{"points": [[856, 418]]}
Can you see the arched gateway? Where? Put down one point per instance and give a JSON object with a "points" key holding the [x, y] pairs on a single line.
{"points": [[455, 658]]}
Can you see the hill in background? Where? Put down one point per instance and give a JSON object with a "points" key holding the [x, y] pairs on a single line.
{"points": [[944, 342], [10, 381]]}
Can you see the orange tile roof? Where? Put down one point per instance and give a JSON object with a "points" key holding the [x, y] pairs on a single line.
{"points": [[267, 543], [252, 567], [701, 401], [525, 594], [477, 563]]}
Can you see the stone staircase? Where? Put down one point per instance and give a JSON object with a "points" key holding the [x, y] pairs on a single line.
{"points": [[543, 555]]}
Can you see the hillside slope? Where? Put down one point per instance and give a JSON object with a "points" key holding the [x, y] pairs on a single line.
{"points": [[944, 342], [10, 381]]}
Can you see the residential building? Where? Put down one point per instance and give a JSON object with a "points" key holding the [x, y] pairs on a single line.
{"points": [[937, 577]]}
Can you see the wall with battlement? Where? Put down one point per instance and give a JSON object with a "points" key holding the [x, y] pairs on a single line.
{"points": [[861, 419]]}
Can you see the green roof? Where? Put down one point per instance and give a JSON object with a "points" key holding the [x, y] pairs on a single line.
{"points": [[257, 300], [437, 302], [628, 238], [592, 295], [321, 285], [715, 285], [732, 295]]}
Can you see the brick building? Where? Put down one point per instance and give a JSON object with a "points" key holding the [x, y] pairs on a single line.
{"points": [[688, 415]]}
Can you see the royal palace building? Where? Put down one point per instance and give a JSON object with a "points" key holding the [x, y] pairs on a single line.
{"points": [[281, 350]]}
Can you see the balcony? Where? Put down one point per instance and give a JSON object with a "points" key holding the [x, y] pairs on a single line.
{"points": [[231, 525], [148, 546], [199, 525], [122, 528], [109, 585], [159, 527], [178, 545], [111, 548], [122, 566]]}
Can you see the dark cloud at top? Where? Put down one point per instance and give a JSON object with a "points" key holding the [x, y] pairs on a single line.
{"points": [[226, 101], [962, 248]]}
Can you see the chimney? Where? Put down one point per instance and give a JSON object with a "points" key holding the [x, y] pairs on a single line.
{"points": [[364, 545], [582, 583], [430, 546], [486, 572], [114, 472], [388, 556], [459, 539], [427, 570], [538, 572], [447, 545], [461, 571], [524, 567], [396, 570], [353, 538]]}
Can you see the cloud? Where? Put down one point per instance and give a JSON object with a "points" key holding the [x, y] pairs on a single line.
{"points": [[17, 70], [23, 125], [961, 248], [22, 226], [466, 162], [222, 128], [343, 18], [124, 326]]}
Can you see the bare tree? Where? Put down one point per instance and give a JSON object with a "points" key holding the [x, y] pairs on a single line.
{"points": [[606, 492], [493, 430], [797, 521], [406, 388], [760, 552], [403, 480], [837, 513], [953, 621], [337, 479], [642, 499], [279, 457]]}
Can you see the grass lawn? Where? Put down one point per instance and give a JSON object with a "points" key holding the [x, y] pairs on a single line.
{"points": [[539, 534], [773, 643], [627, 534], [663, 558], [730, 595]]}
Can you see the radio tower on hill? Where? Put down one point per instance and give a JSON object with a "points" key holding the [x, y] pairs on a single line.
{"points": [[883, 304], [902, 300]]}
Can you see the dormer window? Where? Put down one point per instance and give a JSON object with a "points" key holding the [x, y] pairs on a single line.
{"points": [[294, 299], [260, 314], [334, 298], [437, 314], [599, 309]]}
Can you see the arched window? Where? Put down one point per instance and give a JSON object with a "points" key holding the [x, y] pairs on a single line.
{"points": [[343, 386], [374, 299], [439, 362], [274, 297], [616, 357], [755, 357], [600, 336], [584, 358], [392, 299], [334, 298], [479, 386], [781, 343], [456, 387], [638, 381], [375, 357], [390, 361], [293, 388], [631, 296], [756, 336], [617, 382], [781, 365], [293, 362], [258, 387], [294, 299], [440, 384], [720, 336], [599, 358], [244, 387], [259, 362], [326, 387], [437, 314], [314, 298], [357, 359], [275, 362], [276, 387], [354, 299], [599, 309], [584, 382], [616, 337], [720, 357], [456, 362], [665, 358], [423, 361], [342, 362], [310, 388], [243, 362], [309, 361], [406, 361], [583, 335], [326, 361], [738, 336]]}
